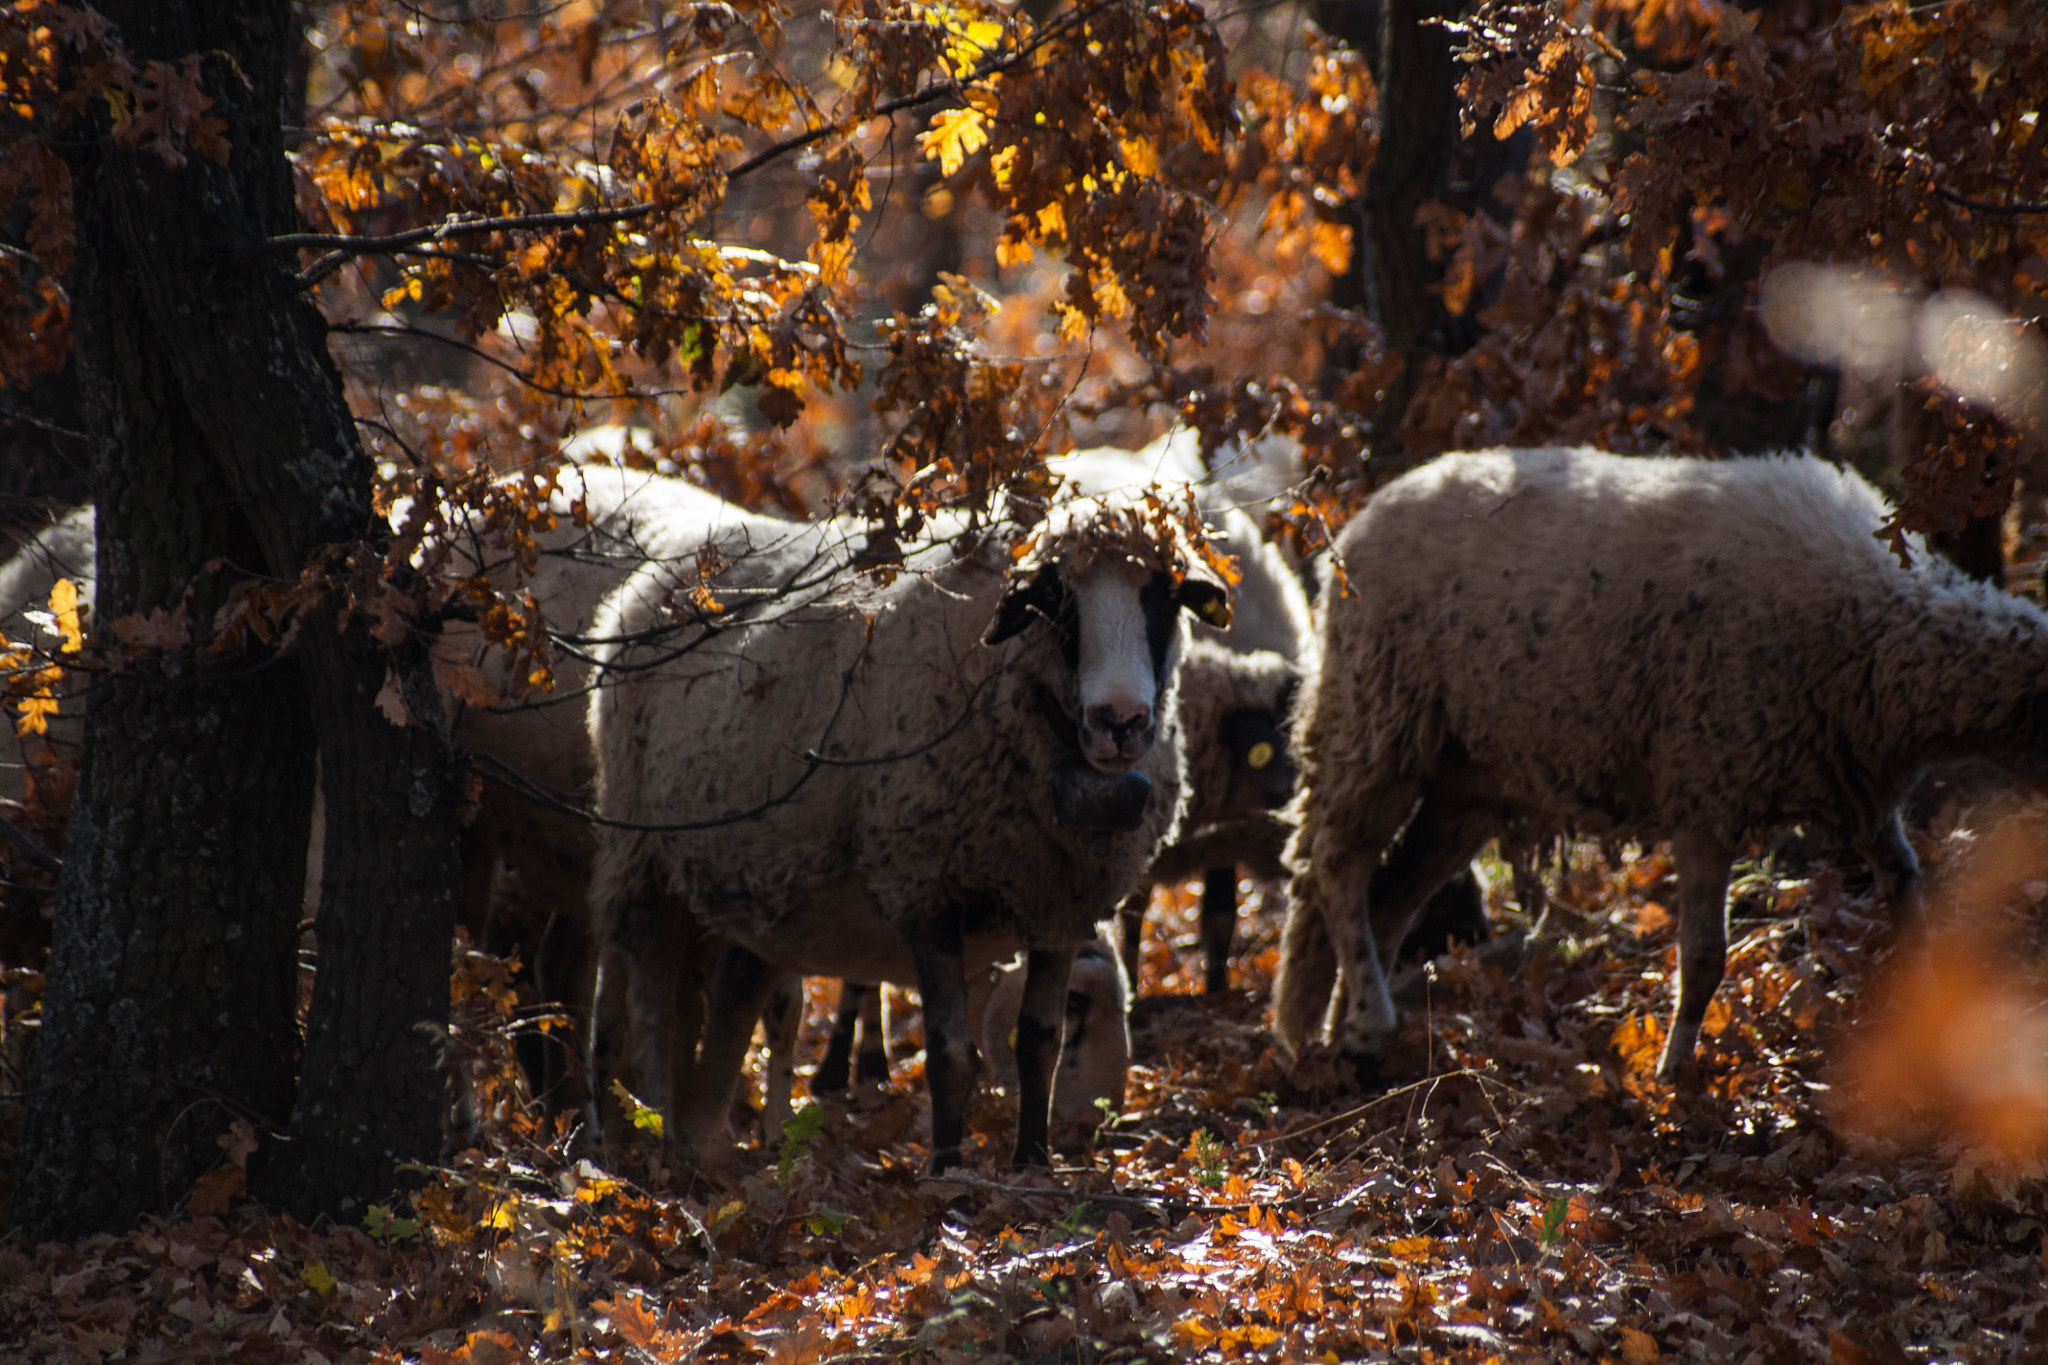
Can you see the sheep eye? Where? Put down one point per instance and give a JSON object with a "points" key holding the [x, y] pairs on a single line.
{"points": [[1260, 757]]}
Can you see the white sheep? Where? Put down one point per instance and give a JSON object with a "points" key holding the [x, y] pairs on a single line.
{"points": [[1661, 647], [526, 852], [904, 777], [63, 549]]}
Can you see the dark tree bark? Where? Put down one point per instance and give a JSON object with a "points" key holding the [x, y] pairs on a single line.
{"points": [[1421, 158], [220, 434]]}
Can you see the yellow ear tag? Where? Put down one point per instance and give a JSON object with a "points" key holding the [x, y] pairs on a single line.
{"points": [[1216, 612], [1013, 1040], [1260, 756]]}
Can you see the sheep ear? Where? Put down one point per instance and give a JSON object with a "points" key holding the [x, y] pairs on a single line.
{"points": [[1041, 594], [1206, 595]]}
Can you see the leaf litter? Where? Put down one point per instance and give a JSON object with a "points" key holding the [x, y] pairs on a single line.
{"points": [[1858, 1180]]}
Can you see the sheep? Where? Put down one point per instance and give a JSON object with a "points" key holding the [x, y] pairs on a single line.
{"points": [[1233, 709], [907, 776], [526, 852], [1656, 647], [526, 862], [63, 549]]}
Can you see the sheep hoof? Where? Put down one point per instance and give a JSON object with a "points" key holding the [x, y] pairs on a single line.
{"points": [[1360, 1071], [1680, 1073], [1035, 1157], [945, 1159]]}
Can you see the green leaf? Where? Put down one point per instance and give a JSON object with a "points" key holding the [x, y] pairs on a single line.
{"points": [[642, 1117], [797, 1136], [1553, 1221], [828, 1222], [387, 1228], [318, 1279]]}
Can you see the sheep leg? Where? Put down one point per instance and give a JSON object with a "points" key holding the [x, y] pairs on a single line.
{"points": [[1439, 843], [740, 989], [781, 1019], [1041, 1025], [1896, 869], [1219, 926], [935, 949], [560, 970], [872, 1062], [1432, 848], [1702, 864], [833, 1071], [1363, 1008], [1132, 913]]}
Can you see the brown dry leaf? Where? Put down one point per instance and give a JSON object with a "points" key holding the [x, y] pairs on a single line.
{"points": [[217, 1190], [391, 701], [465, 682], [160, 629]]}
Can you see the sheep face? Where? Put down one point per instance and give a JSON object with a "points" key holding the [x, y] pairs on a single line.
{"points": [[1259, 756], [1116, 628]]}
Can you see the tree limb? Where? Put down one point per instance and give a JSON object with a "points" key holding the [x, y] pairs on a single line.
{"points": [[1979, 206]]}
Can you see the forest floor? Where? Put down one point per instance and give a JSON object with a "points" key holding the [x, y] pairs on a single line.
{"points": [[1858, 1181]]}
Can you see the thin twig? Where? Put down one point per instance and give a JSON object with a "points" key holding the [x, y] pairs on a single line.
{"points": [[1378, 1100], [1979, 206], [30, 849]]}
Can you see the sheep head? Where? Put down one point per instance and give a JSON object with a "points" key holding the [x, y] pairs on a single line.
{"points": [[1107, 575]]}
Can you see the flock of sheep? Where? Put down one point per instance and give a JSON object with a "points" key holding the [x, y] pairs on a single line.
{"points": [[801, 767]]}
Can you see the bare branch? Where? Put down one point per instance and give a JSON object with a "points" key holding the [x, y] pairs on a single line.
{"points": [[1979, 206], [29, 848]]}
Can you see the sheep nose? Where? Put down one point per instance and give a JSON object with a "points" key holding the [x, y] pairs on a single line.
{"points": [[1119, 723]]}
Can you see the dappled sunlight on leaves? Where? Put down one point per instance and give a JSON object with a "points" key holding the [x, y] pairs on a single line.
{"points": [[1521, 1190]]}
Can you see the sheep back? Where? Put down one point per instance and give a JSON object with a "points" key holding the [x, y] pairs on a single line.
{"points": [[1653, 644]]}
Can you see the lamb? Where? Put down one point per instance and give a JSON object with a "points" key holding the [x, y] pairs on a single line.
{"points": [[1654, 647], [1234, 709], [903, 780], [1095, 1047]]}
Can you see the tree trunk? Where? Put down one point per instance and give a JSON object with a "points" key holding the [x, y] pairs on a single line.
{"points": [[217, 350], [1421, 158], [169, 1010], [373, 1092]]}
